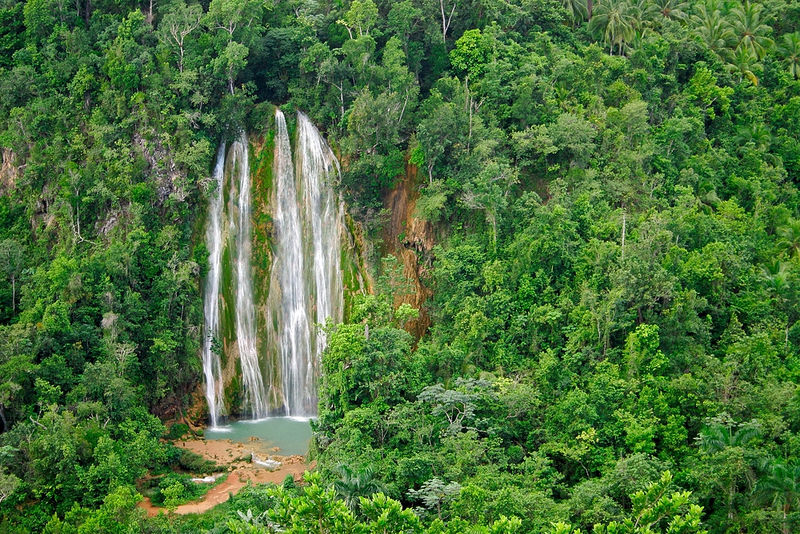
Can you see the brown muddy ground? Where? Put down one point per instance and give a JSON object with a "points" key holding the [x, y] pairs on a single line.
{"points": [[240, 471]]}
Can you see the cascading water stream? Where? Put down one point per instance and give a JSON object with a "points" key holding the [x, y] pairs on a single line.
{"points": [[277, 340], [255, 397], [211, 363], [318, 167], [297, 363]]}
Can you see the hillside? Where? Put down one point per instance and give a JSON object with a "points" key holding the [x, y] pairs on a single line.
{"points": [[581, 222]]}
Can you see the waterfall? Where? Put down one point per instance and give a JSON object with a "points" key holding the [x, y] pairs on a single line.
{"points": [[255, 398], [266, 304], [318, 167], [307, 225], [211, 364], [297, 364]]}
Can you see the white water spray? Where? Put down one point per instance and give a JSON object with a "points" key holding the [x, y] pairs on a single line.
{"points": [[297, 365]]}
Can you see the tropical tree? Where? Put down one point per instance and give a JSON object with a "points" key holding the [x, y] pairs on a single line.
{"points": [[718, 437], [729, 456], [744, 62], [489, 191], [749, 28], [642, 13], [672, 9], [711, 27], [8, 481], [790, 238], [778, 281], [790, 50], [614, 22], [353, 485], [361, 17], [12, 260], [180, 21], [577, 10], [757, 135], [781, 488], [657, 508]]}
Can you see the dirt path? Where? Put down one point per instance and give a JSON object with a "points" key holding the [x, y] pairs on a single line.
{"points": [[241, 471]]}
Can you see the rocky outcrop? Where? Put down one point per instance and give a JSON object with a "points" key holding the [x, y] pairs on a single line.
{"points": [[411, 240], [9, 171]]}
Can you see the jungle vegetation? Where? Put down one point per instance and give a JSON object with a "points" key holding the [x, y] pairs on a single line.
{"points": [[613, 191]]}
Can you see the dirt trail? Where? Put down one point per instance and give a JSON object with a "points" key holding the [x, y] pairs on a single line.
{"points": [[241, 471]]}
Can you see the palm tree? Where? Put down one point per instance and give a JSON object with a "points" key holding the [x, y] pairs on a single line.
{"points": [[757, 133], [744, 62], [790, 238], [790, 50], [712, 28], [352, 485], [727, 450], [643, 13], [614, 21], [718, 437], [781, 488], [747, 24], [672, 9], [778, 278], [577, 10]]}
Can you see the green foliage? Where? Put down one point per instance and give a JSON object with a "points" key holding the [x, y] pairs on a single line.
{"points": [[655, 509], [612, 188], [194, 463]]}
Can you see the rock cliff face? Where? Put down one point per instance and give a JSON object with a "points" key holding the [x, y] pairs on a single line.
{"points": [[411, 240], [9, 171]]}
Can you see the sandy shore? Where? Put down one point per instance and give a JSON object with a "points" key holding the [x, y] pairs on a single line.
{"points": [[240, 471]]}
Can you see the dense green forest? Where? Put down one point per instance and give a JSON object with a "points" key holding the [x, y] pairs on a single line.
{"points": [[612, 187]]}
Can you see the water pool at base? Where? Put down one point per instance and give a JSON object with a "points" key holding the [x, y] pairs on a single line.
{"points": [[291, 434]]}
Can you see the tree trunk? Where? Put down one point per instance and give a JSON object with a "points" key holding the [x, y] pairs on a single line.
{"points": [[446, 19], [493, 222], [589, 5], [731, 493], [468, 103], [785, 526], [14, 298]]}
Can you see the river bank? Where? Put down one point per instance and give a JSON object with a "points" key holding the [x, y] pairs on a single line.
{"points": [[241, 470]]}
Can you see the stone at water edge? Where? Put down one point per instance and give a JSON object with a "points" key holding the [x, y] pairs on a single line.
{"points": [[268, 464]]}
